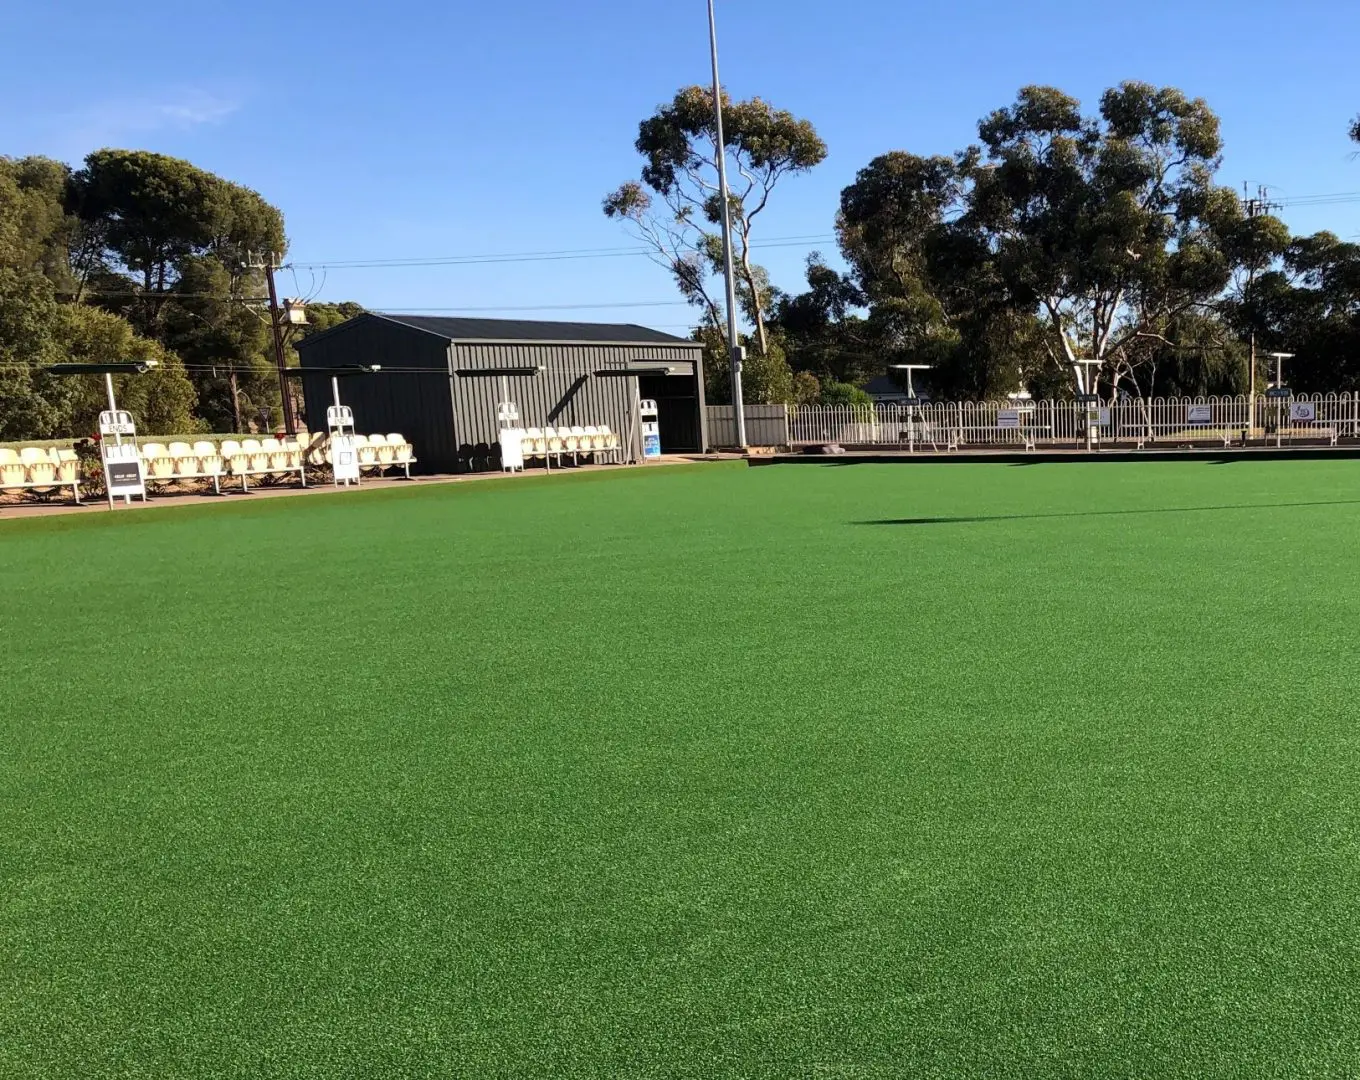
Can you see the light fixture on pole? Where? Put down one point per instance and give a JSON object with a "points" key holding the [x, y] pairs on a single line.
{"points": [[734, 349]]}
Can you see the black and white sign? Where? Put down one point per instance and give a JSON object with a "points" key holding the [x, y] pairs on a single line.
{"points": [[1008, 418], [125, 477], [116, 423], [1199, 414], [1304, 411], [1279, 392]]}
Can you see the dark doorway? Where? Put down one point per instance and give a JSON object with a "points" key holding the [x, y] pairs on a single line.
{"points": [[677, 411]]}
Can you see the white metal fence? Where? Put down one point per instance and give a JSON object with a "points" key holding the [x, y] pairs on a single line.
{"points": [[1128, 422]]}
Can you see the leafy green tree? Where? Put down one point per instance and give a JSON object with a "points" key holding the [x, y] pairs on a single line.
{"points": [[766, 377], [824, 333], [1107, 229], [933, 295], [844, 394], [162, 399], [32, 405], [1310, 305], [155, 215], [37, 331], [37, 233], [182, 255], [676, 206], [807, 388]]}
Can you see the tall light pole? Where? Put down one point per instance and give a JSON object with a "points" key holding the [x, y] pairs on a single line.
{"points": [[733, 345]]}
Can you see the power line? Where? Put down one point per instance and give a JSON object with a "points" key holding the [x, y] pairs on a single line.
{"points": [[808, 240], [1332, 199]]}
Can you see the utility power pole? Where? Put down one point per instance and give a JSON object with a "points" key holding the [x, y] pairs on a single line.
{"points": [[276, 330], [729, 280]]}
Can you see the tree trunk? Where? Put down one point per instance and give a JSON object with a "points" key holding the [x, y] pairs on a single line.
{"points": [[235, 404], [757, 315]]}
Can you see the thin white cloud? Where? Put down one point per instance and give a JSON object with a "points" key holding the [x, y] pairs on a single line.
{"points": [[115, 121]]}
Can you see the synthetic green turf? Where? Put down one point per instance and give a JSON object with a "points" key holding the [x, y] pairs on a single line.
{"points": [[837, 771]]}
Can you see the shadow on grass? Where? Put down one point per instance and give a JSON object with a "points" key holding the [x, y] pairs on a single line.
{"points": [[965, 519]]}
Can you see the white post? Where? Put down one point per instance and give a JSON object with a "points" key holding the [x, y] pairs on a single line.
{"points": [[729, 279]]}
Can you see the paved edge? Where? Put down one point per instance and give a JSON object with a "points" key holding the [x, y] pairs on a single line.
{"points": [[1036, 457]]}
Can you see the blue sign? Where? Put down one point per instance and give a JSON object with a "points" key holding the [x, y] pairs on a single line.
{"points": [[651, 445]]}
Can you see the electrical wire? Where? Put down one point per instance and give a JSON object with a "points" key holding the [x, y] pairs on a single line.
{"points": [[808, 240]]}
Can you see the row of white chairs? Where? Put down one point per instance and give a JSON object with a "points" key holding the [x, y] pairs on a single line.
{"points": [[204, 460], [377, 453], [45, 469], [553, 442], [40, 469]]}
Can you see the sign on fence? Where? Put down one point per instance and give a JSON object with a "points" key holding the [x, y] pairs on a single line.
{"points": [[1199, 414], [1008, 418], [1098, 417], [1302, 410]]}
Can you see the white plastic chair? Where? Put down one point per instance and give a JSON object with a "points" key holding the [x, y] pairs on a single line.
{"points": [[209, 457], [39, 466]]}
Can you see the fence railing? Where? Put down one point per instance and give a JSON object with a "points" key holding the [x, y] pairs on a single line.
{"points": [[1129, 421]]}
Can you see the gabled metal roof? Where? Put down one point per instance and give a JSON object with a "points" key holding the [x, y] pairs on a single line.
{"points": [[517, 330]]}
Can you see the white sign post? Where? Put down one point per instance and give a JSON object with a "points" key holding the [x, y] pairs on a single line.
{"points": [[122, 460], [344, 451], [651, 431], [511, 436]]}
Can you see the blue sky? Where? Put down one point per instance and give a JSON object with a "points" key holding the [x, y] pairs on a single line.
{"points": [[422, 129]]}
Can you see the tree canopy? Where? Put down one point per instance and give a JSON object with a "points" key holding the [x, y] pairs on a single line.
{"points": [[135, 255], [675, 207]]}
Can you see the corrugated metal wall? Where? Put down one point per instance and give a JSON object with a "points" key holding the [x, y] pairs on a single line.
{"points": [[416, 404], [766, 425], [566, 393], [451, 420]]}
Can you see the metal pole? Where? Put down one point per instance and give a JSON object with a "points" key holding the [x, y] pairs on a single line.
{"points": [[1251, 385], [276, 328], [335, 390], [911, 415], [729, 279], [117, 437], [113, 405]]}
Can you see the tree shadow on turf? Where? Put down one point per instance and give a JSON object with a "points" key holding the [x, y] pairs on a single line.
{"points": [[966, 518]]}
